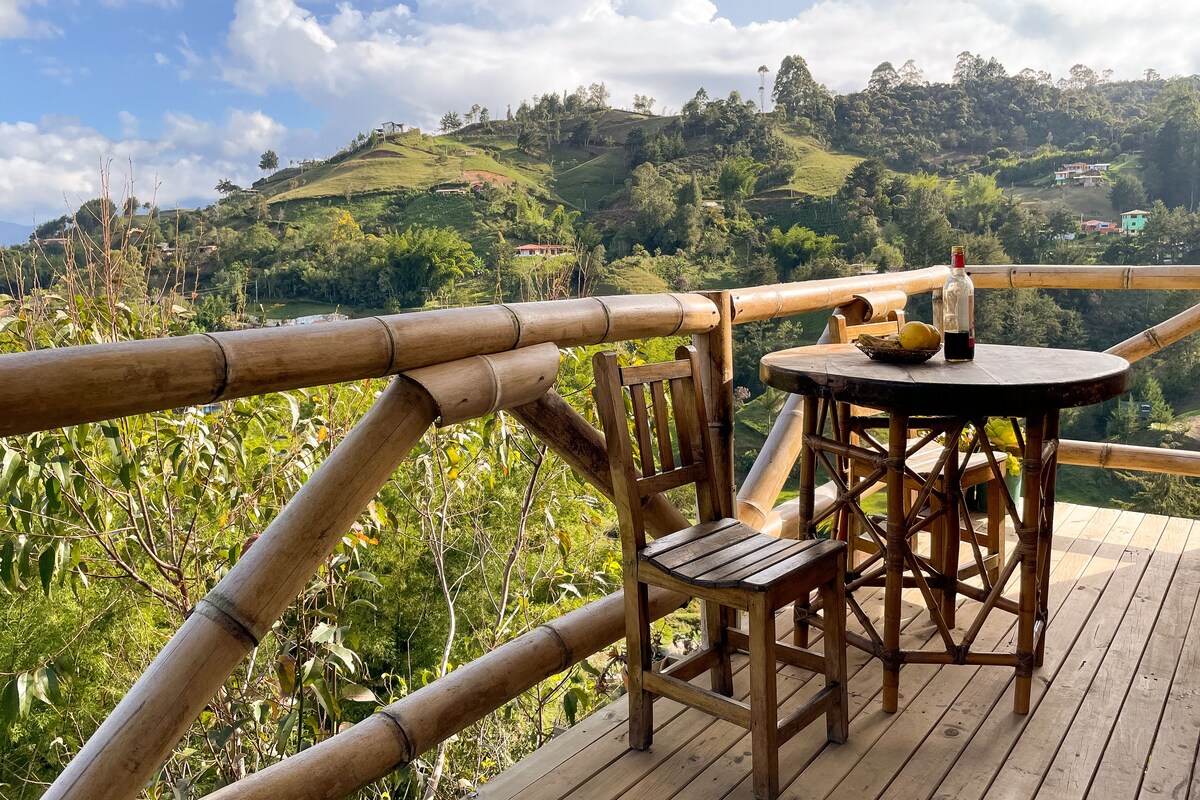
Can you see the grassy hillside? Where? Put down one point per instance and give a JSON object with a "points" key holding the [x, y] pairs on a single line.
{"points": [[819, 172], [409, 161], [579, 177]]}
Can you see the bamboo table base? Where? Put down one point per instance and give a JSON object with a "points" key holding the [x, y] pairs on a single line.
{"points": [[939, 504]]}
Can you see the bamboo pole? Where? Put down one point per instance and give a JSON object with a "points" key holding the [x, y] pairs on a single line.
{"points": [[1154, 339], [1127, 456], [581, 445], [240, 610], [786, 516], [775, 460], [55, 387], [398, 733], [784, 299], [1077, 276], [715, 350]]}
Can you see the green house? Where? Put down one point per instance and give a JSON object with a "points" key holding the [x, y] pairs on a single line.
{"points": [[1134, 221]]}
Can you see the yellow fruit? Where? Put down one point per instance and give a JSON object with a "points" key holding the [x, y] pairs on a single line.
{"points": [[935, 336], [919, 336]]}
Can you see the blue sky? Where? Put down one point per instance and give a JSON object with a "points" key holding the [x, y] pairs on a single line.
{"points": [[177, 94]]}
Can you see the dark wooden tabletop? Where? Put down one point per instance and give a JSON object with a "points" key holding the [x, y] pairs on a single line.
{"points": [[1002, 380]]}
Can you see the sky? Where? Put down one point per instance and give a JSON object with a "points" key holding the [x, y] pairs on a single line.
{"points": [[167, 97]]}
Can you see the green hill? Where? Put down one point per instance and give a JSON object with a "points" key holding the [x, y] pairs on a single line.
{"points": [[580, 177]]}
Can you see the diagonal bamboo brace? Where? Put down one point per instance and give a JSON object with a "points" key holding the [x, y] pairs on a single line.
{"points": [[139, 734]]}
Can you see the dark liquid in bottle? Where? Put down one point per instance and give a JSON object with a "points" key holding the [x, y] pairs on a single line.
{"points": [[959, 346]]}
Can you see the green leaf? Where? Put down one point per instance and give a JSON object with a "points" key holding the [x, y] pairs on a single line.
{"points": [[46, 568], [9, 705], [325, 698], [570, 706], [323, 633], [7, 573], [45, 686], [359, 694], [24, 683]]}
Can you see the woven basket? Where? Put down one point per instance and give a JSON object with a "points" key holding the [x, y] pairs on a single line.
{"points": [[898, 356]]}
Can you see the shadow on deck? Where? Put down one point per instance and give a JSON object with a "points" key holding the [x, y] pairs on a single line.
{"points": [[1114, 705]]}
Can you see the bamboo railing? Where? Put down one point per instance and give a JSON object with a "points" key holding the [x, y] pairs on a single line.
{"points": [[453, 365]]}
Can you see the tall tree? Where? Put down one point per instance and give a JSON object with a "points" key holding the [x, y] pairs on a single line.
{"points": [[451, 121], [268, 161], [800, 96], [1127, 192]]}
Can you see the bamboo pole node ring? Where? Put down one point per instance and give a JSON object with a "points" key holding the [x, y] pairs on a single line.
{"points": [[406, 742], [682, 314], [220, 392], [564, 648], [1012, 277], [608, 317], [391, 340], [516, 323], [226, 620], [1127, 278]]}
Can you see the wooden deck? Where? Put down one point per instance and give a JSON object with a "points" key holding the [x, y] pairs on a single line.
{"points": [[1115, 705]]}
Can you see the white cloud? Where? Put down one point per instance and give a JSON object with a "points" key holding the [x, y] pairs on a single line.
{"points": [[361, 66], [129, 124], [161, 59], [51, 166], [16, 24]]}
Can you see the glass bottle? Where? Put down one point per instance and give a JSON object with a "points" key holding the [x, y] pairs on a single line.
{"points": [[958, 310]]}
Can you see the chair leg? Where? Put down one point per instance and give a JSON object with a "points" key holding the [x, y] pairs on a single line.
{"points": [[833, 593], [637, 650], [764, 711], [717, 621]]}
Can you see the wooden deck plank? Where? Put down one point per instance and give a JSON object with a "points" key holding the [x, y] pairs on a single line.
{"points": [[941, 719], [1117, 696], [1079, 754], [1172, 765], [1133, 739], [1035, 741], [727, 776], [971, 774], [929, 765]]}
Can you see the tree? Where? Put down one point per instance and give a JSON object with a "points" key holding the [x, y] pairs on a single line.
{"points": [[450, 122], [269, 161], [598, 95], [1127, 192], [883, 78], [643, 104], [911, 75], [226, 186], [422, 261], [801, 97], [484, 116], [738, 177]]}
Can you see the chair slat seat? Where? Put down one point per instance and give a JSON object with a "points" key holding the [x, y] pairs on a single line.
{"points": [[737, 557]]}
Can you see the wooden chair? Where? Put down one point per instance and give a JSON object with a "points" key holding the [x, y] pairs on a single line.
{"points": [[880, 313], [727, 564]]}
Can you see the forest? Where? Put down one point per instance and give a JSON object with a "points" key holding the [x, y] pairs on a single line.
{"points": [[111, 532]]}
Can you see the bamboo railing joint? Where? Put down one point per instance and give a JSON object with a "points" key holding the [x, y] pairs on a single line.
{"points": [[1128, 277], [226, 620]]}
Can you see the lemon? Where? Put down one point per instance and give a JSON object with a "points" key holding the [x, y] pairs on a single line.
{"points": [[934, 336], [919, 336]]}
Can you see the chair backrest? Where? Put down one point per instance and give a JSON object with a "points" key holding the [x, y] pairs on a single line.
{"points": [[670, 429]]}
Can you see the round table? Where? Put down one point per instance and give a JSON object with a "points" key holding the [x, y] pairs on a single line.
{"points": [[951, 402]]}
